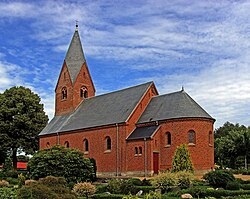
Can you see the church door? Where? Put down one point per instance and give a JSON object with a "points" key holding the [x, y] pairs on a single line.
{"points": [[156, 163]]}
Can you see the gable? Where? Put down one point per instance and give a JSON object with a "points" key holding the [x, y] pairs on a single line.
{"points": [[110, 108]]}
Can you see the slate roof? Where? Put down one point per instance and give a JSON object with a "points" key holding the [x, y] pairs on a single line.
{"points": [[142, 132], [172, 106], [110, 108], [75, 57]]}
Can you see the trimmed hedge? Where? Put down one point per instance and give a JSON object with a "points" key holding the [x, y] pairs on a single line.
{"points": [[107, 196]]}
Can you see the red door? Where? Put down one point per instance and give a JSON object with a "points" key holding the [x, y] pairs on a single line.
{"points": [[156, 163]]}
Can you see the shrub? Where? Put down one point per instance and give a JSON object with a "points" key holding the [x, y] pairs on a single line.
{"points": [[4, 183], [146, 182], [21, 180], [245, 186], [107, 196], [84, 189], [130, 196], [219, 178], [61, 161], [11, 174], [120, 186], [101, 188], [165, 181], [181, 160], [152, 195], [7, 193], [185, 179], [234, 185], [29, 182], [135, 181]]}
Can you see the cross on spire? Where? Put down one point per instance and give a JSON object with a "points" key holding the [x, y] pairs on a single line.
{"points": [[76, 25]]}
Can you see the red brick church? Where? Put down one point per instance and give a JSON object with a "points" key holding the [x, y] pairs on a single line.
{"points": [[129, 132]]}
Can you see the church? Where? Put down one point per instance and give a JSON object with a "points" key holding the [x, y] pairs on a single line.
{"points": [[129, 132]]}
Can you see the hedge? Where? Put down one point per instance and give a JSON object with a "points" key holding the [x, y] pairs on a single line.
{"points": [[107, 196]]}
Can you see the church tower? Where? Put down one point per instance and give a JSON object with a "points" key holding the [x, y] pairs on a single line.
{"points": [[74, 83]]}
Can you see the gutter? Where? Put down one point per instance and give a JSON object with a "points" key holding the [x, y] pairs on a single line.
{"points": [[117, 149]]}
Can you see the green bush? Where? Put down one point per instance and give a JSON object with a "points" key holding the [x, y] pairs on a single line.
{"points": [[11, 174], [182, 160], [61, 161], [101, 188], [245, 186], [185, 179], [120, 186], [233, 185], [135, 181], [219, 178], [107, 196], [84, 189], [165, 181], [145, 189], [146, 182], [7, 193], [49, 187]]}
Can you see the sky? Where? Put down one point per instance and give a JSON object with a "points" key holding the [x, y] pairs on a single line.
{"points": [[202, 45]]}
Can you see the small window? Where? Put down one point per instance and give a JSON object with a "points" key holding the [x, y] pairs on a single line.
{"points": [[108, 143], [191, 137], [66, 144], [210, 138], [140, 150], [168, 137], [64, 93], [136, 151], [86, 145], [83, 92], [48, 145]]}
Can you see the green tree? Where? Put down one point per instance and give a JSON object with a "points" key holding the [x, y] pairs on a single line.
{"points": [[61, 162], [22, 117], [226, 128], [232, 146], [181, 160]]}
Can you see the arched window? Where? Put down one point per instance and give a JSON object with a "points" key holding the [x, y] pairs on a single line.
{"points": [[64, 93], [168, 137], [140, 150], [66, 144], [108, 143], [48, 145], [86, 145], [191, 137], [210, 138], [136, 151], [83, 92]]}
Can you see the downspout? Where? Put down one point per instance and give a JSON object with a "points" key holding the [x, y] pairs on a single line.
{"points": [[145, 157], [117, 149], [58, 138]]}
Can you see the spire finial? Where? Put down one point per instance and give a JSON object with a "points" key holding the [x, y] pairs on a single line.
{"points": [[182, 88], [76, 25]]}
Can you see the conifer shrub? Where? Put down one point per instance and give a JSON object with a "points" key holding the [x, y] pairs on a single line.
{"points": [[84, 189], [182, 160], [219, 178], [60, 161], [165, 181]]}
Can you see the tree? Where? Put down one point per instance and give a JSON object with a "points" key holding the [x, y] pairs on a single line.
{"points": [[22, 118], [226, 128], [233, 145], [181, 160], [61, 162]]}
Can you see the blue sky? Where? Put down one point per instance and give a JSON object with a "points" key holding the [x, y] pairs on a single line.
{"points": [[201, 45]]}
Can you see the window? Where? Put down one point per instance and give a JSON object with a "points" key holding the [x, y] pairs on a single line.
{"points": [[191, 137], [136, 151], [48, 145], [140, 150], [108, 143], [64, 93], [168, 137], [86, 145], [66, 144], [83, 92], [210, 138]]}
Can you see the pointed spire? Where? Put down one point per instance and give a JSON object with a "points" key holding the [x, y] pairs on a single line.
{"points": [[75, 56], [182, 88]]}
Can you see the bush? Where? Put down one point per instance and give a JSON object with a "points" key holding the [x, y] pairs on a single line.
{"points": [[165, 181], [107, 196], [233, 185], [7, 193], [52, 186], [11, 174], [152, 195], [120, 186], [29, 182], [245, 186], [146, 182], [61, 161], [185, 179], [101, 188], [219, 178], [182, 160], [4, 183], [135, 181], [84, 189], [21, 180]]}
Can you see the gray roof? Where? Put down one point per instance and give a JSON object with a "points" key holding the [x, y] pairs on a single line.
{"points": [[172, 106], [110, 108], [142, 132], [74, 57]]}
